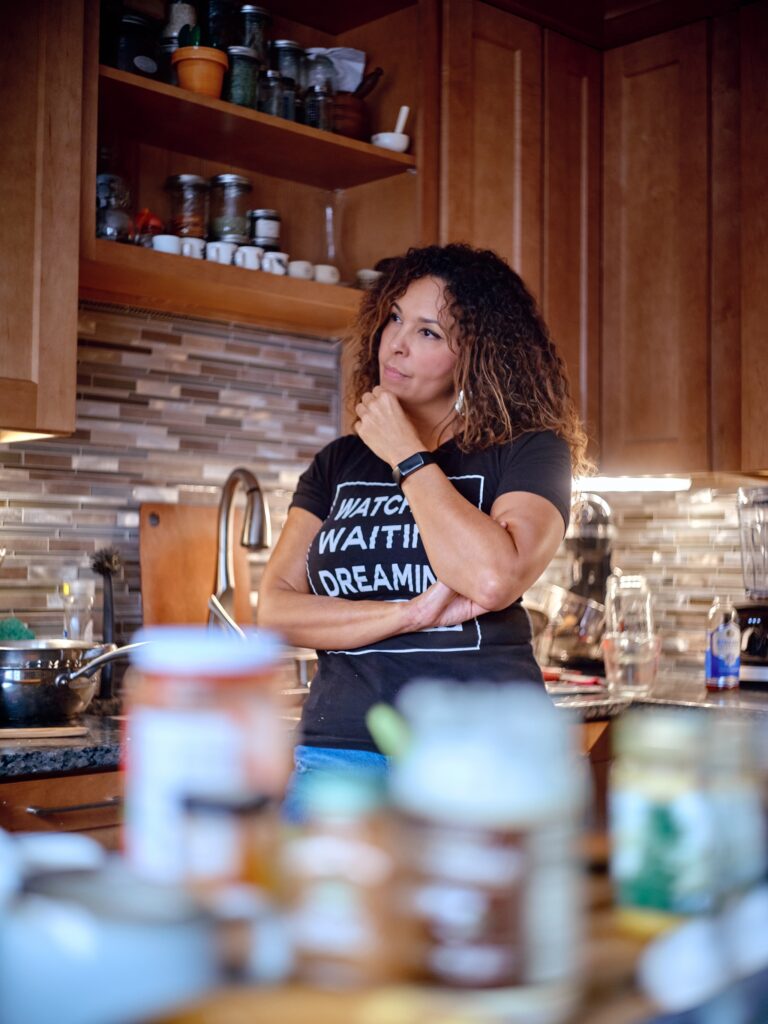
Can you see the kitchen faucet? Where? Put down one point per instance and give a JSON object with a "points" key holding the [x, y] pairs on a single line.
{"points": [[257, 535]]}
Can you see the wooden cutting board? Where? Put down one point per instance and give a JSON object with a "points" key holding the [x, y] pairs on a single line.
{"points": [[177, 558]]}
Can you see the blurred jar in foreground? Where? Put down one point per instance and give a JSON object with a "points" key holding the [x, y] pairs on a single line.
{"points": [[664, 846], [203, 721], [338, 873], [489, 798]]}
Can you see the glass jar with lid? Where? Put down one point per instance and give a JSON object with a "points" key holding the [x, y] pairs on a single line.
{"points": [[188, 195], [228, 206], [271, 93], [255, 20], [318, 108], [242, 77], [287, 58], [137, 46], [264, 229], [113, 221]]}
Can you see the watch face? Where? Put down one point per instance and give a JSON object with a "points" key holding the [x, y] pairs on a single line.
{"points": [[413, 462]]}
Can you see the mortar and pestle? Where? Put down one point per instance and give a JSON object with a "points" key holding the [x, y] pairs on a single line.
{"points": [[350, 114]]}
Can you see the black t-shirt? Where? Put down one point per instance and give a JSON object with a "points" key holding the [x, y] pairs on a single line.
{"points": [[369, 548]]}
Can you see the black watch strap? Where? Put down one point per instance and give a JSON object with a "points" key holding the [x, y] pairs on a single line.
{"points": [[411, 464]]}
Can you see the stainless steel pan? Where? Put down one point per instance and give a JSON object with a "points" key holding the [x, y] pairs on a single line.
{"points": [[47, 682]]}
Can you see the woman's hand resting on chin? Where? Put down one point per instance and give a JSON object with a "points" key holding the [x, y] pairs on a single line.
{"points": [[383, 426], [441, 606]]}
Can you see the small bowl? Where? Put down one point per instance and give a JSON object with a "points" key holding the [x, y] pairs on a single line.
{"points": [[397, 141]]}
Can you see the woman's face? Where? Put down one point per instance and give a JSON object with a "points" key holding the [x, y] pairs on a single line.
{"points": [[416, 353]]}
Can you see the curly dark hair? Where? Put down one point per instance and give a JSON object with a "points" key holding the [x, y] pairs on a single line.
{"points": [[507, 366]]}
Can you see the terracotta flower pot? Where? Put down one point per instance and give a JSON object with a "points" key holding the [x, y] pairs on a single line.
{"points": [[200, 69]]}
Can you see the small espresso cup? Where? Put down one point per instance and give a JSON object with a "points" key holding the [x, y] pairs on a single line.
{"points": [[167, 243], [220, 252], [325, 273], [301, 268], [193, 247], [249, 257], [366, 277], [275, 262]]}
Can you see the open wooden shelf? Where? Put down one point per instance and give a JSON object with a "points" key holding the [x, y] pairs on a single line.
{"points": [[173, 118], [135, 276]]}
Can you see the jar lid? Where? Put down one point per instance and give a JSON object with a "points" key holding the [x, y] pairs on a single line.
{"points": [[264, 214], [187, 180], [199, 651], [242, 51], [273, 74], [253, 9], [231, 179], [285, 44]]}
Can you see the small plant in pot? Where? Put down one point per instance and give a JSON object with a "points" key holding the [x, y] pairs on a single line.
{"points": [[200, 68]]}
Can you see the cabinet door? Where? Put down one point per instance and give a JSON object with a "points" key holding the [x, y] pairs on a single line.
{"points": [[570, 291], [41, 54], [754, 235], [491, 134], [655, 408]]}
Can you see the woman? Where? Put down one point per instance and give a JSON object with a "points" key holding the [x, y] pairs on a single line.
{"points": [[409, 543]]}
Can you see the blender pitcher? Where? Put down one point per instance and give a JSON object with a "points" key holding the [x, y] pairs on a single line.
{"points": [[753, 529]]}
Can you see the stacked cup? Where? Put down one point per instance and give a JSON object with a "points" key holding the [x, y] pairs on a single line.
{"points": [[630, 645]]}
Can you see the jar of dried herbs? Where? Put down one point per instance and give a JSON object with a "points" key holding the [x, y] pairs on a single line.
{"points": [[242, 77], [228, 220], [254, 21]]}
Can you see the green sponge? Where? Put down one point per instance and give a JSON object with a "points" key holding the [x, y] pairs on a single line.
{"points": [[14, 629]]}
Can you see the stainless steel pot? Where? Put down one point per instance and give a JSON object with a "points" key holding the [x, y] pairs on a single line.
{"points": [[575, 624], [47, 682]]}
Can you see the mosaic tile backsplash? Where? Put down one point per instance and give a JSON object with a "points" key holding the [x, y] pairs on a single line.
{"points": [[167, 406]]}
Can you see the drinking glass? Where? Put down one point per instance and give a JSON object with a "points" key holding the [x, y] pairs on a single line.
{"points": [[630, 646]]}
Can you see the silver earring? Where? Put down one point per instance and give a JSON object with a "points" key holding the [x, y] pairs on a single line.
{"points": [[458, 405]]}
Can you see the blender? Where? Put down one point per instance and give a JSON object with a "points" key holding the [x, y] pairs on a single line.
{"points": [[753, 613]]}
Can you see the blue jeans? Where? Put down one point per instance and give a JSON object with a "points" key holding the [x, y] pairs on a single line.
{"points": [[307, 760]]}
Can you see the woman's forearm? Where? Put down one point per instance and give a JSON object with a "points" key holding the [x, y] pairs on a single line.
{"points": [[333, 623]]}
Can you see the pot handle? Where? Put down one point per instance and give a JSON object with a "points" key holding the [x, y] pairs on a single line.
{"points": [[65, 678]]}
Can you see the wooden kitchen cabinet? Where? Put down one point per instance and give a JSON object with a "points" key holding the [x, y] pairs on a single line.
{"points": [[655, 400], [520, 169], [41, 51], [89, 803], [382, 201]]}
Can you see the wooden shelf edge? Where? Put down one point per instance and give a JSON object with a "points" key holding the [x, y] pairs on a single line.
{"points": [[133, 276], [215, 129]]}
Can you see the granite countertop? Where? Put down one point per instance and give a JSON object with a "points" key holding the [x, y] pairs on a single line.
{"points": [[99, 749]]}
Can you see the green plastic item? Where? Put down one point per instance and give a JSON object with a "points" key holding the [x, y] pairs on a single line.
{"points": [[14, 629], [389, 729]]}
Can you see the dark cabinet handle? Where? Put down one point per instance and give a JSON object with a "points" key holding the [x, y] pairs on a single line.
{"points": [[44, 812]]}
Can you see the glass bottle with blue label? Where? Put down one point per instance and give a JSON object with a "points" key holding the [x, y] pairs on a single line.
{"points": [[723, 654]]}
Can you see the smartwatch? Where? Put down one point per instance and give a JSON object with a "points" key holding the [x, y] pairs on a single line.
{"points": [[410, 465]]}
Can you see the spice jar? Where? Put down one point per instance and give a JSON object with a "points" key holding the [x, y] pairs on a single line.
{"points": [[188, 194], [220, 19], [289, 100], [203, 721], [271, 93], [264, 229], [242, 77], [317, 69], [228, 220], [318, 110], [287, 58], [255, 20], [137, 46]]}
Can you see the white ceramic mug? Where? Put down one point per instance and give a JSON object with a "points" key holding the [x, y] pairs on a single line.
{"points": [[301, 268], [325, 273], [249, 257], [193, 247], [220, 252], [167, 243], [366, 277], [275, 262]]}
